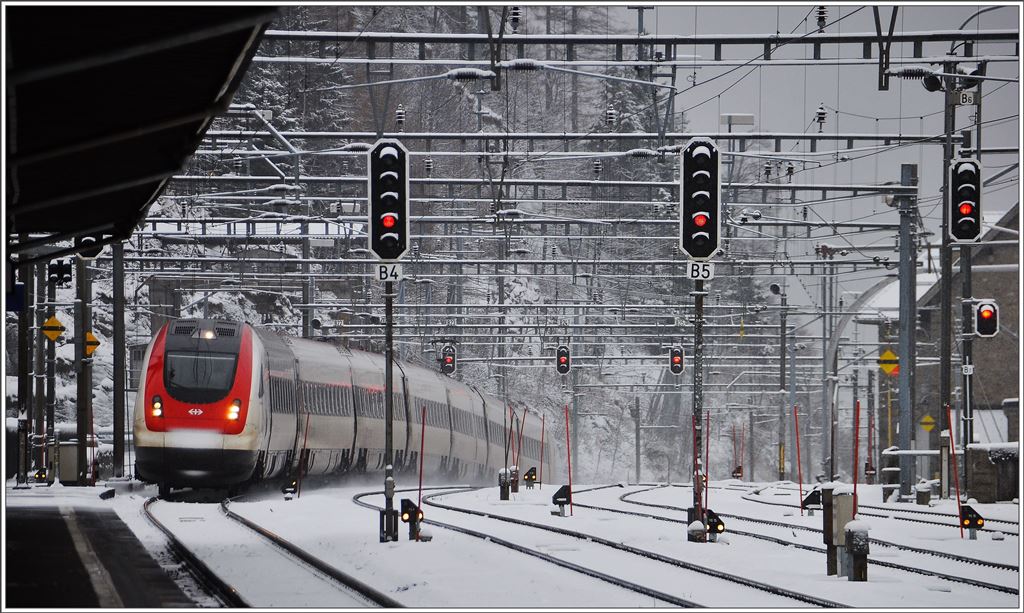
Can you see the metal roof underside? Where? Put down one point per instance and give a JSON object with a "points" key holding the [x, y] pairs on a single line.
{"points": [[106, 103]]}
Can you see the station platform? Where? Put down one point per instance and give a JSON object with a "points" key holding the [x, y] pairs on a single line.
{"points": [[66, 548]]}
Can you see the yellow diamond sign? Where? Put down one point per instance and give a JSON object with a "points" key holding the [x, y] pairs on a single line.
{"points": [[928, 423], [889, 362], [52, 328], [91, 343]]}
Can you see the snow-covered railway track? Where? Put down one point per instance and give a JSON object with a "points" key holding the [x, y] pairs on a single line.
{"points": [[202, 573], [959, 578], [251, 566], [628, 585], [716, 581], [897, 514]]}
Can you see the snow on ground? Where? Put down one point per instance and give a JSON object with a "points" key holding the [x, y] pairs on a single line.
{"points": [[454, 570], [451, 570]]}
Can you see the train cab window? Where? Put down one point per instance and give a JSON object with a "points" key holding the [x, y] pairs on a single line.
{"points": [[199, 376]]}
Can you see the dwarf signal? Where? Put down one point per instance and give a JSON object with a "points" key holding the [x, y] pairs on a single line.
{"points": [[969, 518]]}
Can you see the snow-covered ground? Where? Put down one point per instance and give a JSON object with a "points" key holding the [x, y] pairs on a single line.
{"points": [[456, 570]]}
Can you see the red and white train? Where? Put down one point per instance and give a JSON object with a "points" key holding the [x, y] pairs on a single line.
{"points": [[223, 403]]}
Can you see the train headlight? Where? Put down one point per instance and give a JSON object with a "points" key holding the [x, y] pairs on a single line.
{"points": [[233, 410], [158, 407]]}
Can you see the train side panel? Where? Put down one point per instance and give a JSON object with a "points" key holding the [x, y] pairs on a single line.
{"points": [[467, 448], [427, 389], [327, 418], [368, 388]]}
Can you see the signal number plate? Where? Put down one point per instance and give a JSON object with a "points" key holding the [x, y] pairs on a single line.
{"points": [[700, 270]]}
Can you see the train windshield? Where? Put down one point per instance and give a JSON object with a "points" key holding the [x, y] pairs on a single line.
{"points": [[199, 377]]}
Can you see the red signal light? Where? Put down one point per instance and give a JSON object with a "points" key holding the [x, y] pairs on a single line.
{"points": [[987, 313], [448, 359], [563, 360], [389, 220], [700, 220], [966, 208], [676, 359]]}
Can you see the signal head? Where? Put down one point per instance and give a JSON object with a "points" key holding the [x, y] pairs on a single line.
{"points": [[986, 318], [965, 200], [676, 360], [448, 359], [410, 511], [563, 361], [700, 197], [388, 194]]}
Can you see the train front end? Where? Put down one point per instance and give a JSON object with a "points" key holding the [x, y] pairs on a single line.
{"points": [[198, 416]]}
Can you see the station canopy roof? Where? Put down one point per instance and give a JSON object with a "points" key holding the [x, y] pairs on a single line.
{"points": [[106, 103]]}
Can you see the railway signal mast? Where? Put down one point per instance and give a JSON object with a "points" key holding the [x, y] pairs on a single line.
{"points": [[700, 211], [388, 233]]}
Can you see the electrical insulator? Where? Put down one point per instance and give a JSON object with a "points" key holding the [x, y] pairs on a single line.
{"points": [[822, 17], [237, 165], [610, 115], [768, 171], [820, 115], [790, 169], [659, 56], [428, 166], [515, 16], [400, 117], [598, 166]]}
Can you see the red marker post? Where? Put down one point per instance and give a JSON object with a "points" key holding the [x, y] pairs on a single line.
{"points": [[799, 466], [856, 451], [541, 480], [568, 456]]}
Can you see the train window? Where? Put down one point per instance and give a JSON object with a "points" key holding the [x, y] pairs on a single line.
{"points": [[261, 381], [199, 376]]}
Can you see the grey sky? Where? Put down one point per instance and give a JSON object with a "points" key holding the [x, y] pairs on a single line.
{"points": [[780, 100], [784, 99]]}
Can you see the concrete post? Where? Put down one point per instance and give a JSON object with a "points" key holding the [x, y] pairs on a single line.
{"points": [[908, 323]]}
